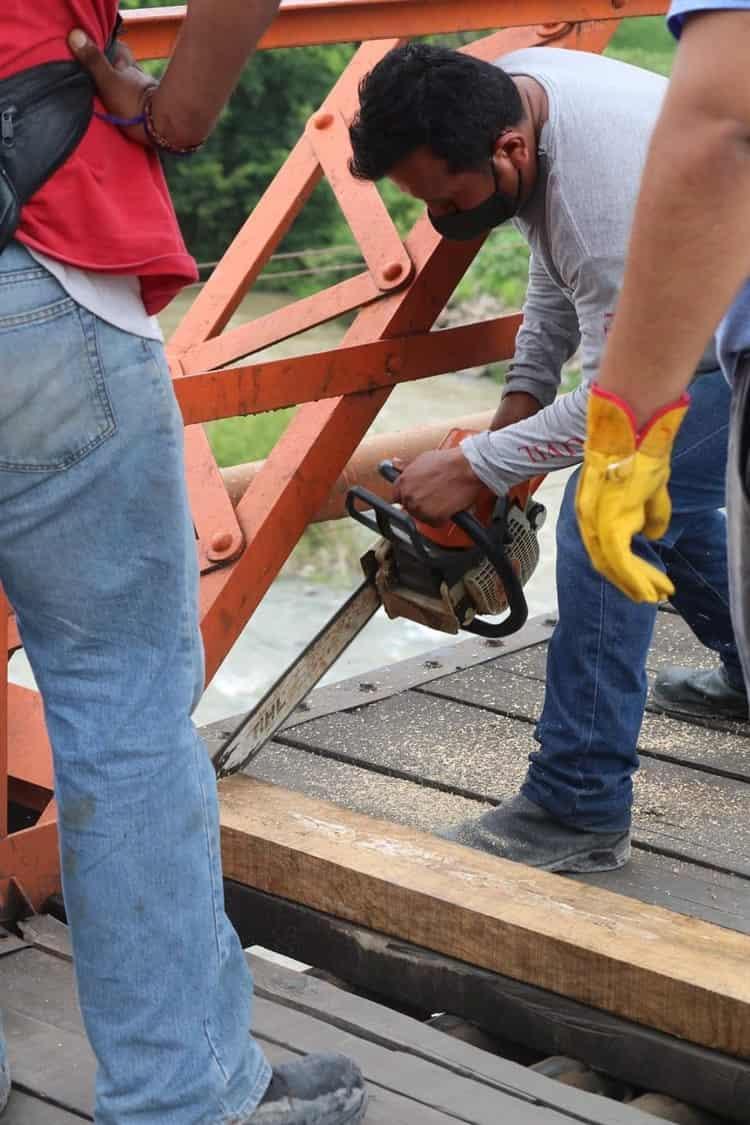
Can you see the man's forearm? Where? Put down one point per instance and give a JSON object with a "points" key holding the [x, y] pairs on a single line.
{"points": [[550, 439], [214, 44], [690, 245], [514, 407]]}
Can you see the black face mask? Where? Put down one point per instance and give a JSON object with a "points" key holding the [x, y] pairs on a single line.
{"points": [[462, 226]]}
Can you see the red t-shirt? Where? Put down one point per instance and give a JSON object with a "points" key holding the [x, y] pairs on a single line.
{"points": [[107, 208]]}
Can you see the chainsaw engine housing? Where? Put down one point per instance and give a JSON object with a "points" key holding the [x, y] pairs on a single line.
{"points": [[447, 588]]}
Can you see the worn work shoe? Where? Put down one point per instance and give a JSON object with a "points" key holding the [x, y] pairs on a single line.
{"points": [[704, 695], [524, 832], [316, 1090]]}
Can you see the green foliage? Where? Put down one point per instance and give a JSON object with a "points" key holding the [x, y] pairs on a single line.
{"points": [[214, 191], [500, 269], [644, 42], [235, 440]]}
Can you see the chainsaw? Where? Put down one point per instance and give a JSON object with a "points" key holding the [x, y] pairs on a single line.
{"points": [[449, 578]]}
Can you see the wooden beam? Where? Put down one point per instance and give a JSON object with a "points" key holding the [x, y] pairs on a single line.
{"points": [[668, 972]]}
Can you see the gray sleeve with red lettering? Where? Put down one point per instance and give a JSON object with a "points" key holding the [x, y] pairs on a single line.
{"points": [[551, 439], [547, 338]]}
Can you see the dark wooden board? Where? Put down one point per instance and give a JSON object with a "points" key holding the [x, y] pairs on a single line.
{"points": [[679, 811], [24, 1109], [43, 931], [673, 643], [367, 791], [383, 1107], [42, 986], [9, 943], [55, 1064], [723, 748], [50, 1055], [660, 880], [545, 1022], [428, 1084], [349, 1012], [384, 682]]}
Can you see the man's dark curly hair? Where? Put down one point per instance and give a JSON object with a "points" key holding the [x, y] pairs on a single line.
{"points": [[419, 95]]}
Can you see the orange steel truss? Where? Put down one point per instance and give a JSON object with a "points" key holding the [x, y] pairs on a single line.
{"points": [[399, 296]]}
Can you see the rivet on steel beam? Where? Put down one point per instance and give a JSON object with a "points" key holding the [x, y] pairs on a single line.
{"points": [[323, 120], [221, 541], [392, 271]]}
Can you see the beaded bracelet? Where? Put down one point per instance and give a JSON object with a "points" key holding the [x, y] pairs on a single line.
{"points": [[121, 122], [147, 121], [156, 138]]}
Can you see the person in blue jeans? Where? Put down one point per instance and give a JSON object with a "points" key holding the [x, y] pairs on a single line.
{"points": [[97, 556], [702, 133], [556, 141]]}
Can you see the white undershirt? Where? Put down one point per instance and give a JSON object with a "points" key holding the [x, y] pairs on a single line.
{"points": [[113, 298]]}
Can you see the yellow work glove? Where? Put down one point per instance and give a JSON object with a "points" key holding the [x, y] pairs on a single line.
{"points": [[622, 491]]}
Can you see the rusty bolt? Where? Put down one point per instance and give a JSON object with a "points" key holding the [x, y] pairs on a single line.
{"points": [[323, 120], [392, 271], [221, 542]]}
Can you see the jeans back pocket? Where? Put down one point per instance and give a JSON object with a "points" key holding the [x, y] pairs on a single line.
{"points": [[54, 406]]}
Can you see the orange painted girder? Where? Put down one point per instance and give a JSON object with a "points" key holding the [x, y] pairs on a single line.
{"points": [[346, 370], [273, 328], [29, 753], [152, 32], [31, 859]]}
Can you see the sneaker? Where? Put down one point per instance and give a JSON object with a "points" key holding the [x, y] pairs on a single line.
{"points": [[524, 832], [702, 695], [315, 1090]]}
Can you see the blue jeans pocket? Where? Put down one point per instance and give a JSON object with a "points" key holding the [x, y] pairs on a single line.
{"points": [[54, 406]]}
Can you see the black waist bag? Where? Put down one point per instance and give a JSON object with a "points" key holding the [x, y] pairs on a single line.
{"points": [[44, 113]]}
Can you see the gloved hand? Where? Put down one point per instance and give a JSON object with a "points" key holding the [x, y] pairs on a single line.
{"points": [[622, 491]]}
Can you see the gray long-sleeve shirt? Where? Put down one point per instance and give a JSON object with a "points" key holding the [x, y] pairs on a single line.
{"points": [[592, 151]]}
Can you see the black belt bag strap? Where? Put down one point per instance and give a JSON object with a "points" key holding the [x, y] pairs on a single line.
{"points": [[44, 114]]}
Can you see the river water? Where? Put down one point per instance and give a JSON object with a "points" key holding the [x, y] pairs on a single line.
{"points": [[295, 608]]}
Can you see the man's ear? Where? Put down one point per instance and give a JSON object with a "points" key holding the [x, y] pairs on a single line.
{"points": [[512, 146]]}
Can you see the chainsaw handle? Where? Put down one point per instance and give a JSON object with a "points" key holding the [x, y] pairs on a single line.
{"points": [[519, 610], [386, 516]]}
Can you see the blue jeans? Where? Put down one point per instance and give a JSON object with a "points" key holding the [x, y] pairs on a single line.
{"points": [[97, 556], [596, 670]]}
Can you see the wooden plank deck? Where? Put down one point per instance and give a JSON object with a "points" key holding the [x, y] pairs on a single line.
{"points": [[424, 743], [444, 736], [416, 1075]]}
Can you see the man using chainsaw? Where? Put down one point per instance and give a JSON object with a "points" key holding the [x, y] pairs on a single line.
{"points": [[97, 556], [702, 138], [555, 140]]}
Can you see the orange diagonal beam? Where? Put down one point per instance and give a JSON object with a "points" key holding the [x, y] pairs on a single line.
{"points": [[343, 371], [280, 325]]}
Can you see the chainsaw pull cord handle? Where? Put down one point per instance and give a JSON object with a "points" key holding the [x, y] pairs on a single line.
{"points": [[519, 610]]}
